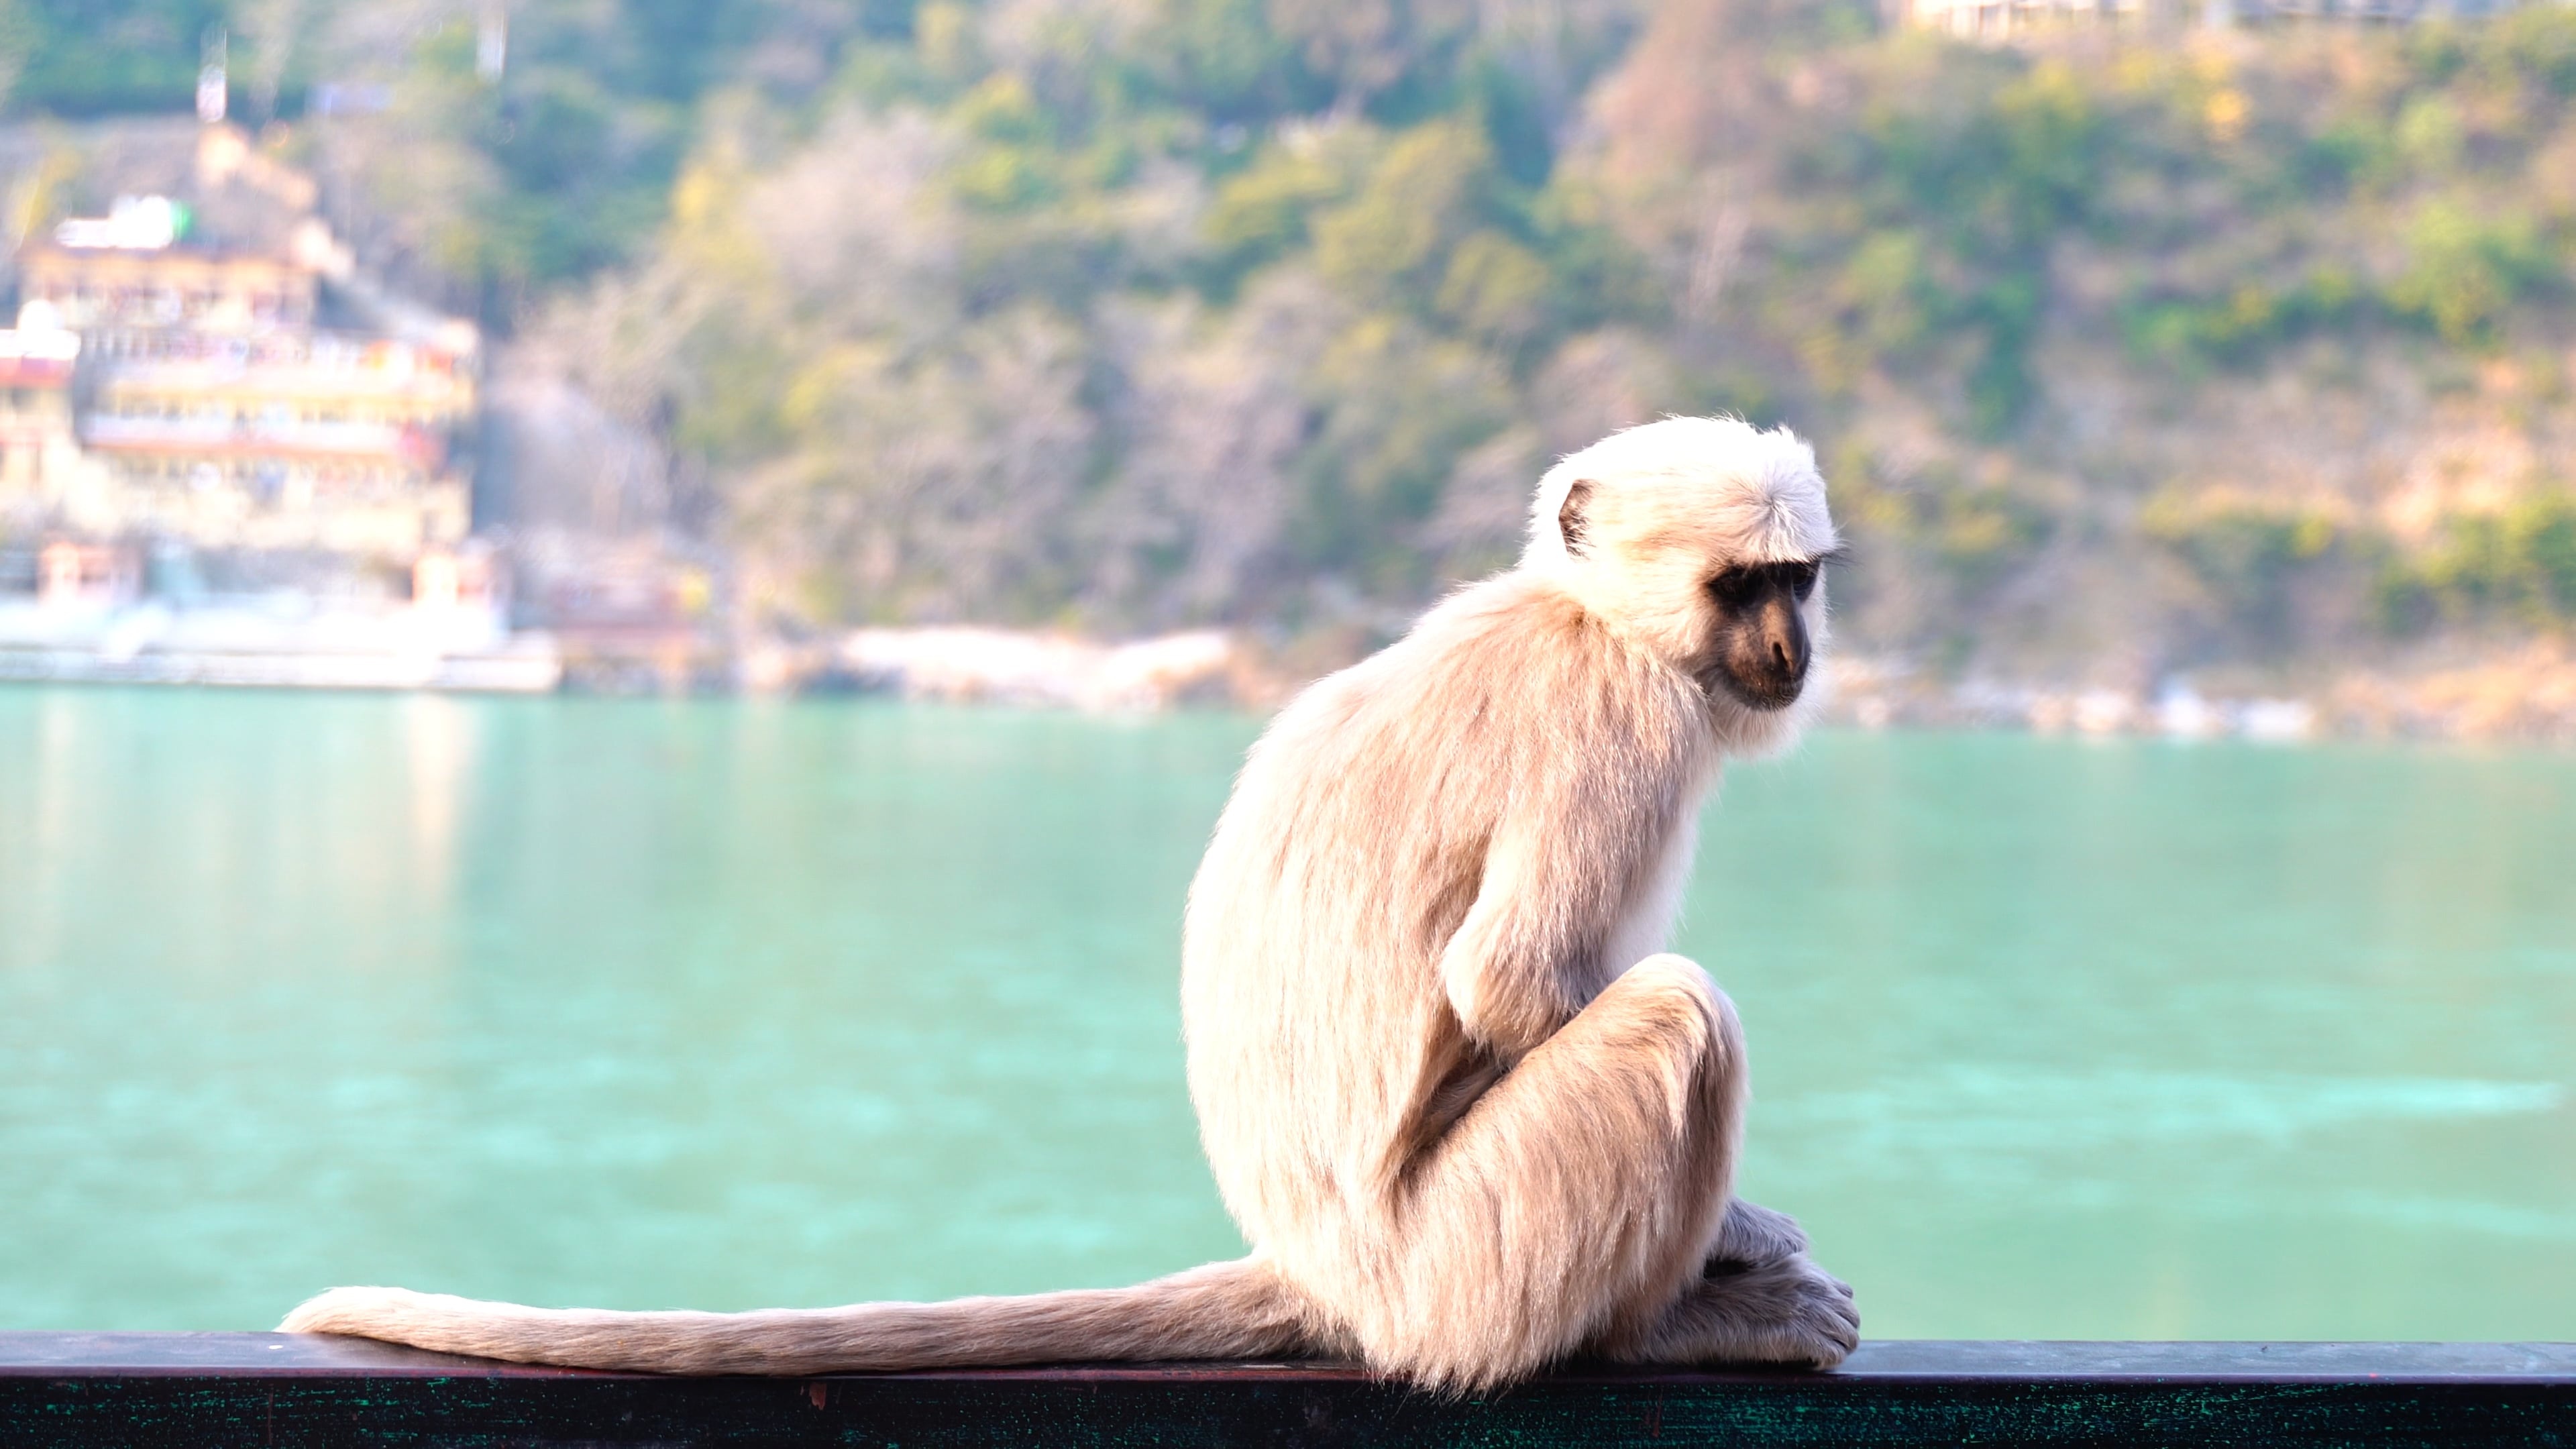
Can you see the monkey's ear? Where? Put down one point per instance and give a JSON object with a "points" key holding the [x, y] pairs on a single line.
{"points": [[1570, 521]]}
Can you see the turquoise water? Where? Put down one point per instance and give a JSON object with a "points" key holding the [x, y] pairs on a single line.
{"points": [[727, 1004]]}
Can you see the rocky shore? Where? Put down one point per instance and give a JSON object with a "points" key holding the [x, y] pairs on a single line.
{"points": [[2524, 694]]}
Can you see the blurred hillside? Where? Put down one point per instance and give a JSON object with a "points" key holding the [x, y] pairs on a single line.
{"points": [[2238, 355]]}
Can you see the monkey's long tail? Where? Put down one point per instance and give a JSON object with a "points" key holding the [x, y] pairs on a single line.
{"points": [[1224, 1310]]}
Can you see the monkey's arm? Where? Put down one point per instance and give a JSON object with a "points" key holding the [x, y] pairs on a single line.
{"points": [[1558, 873]]}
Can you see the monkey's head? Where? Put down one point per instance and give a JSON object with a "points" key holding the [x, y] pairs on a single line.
{"points": [[1705, 540]]}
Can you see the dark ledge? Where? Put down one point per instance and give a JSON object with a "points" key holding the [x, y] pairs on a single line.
{"points": [[261, 1388]]}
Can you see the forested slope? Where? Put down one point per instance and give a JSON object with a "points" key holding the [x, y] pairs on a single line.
{"points": [[2245, 355]]}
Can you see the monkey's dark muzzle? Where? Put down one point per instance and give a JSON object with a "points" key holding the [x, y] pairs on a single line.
{"points": [[1767, 696], [1765, 668]]}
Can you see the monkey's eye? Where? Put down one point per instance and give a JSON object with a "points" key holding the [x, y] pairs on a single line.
{"points": [[1802, 579], [1736, 588]]}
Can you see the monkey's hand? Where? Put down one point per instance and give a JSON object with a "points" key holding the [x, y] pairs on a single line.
{"points": [[1750, 1236]]}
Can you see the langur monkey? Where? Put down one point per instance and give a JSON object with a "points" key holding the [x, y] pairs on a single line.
{"points": [[1469, 1117]]}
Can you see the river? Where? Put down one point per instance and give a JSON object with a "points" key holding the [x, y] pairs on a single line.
{"points": [[725, 1003]]}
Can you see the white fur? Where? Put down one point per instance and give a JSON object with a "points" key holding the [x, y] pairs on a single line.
{"points": [[1469, 1122]]}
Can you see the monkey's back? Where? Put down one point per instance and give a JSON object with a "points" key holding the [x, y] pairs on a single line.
{"points": [[1351, 849]]}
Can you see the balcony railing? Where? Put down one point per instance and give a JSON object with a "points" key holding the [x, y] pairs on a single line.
{"points": [[82, 1389]]}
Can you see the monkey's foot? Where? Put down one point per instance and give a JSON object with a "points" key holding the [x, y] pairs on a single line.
{"points": [[1785, 1312]]}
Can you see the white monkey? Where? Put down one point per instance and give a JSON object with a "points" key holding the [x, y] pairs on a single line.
{"points": [[1469, 1121]]}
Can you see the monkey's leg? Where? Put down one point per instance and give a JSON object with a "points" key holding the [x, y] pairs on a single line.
{"points": [[1578, 1199], [1759, 1300]]}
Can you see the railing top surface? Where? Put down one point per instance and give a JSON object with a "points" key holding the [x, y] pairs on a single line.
{"points": [[288, 1355]]}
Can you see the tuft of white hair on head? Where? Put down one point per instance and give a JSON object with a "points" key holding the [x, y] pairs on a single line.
{"points": [[1779, 495]]}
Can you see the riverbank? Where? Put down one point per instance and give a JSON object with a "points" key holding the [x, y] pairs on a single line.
{"points": [[2526, 694], [285, 641]]}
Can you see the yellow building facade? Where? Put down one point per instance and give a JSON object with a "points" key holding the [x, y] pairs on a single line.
{"points": [[206, 407]]}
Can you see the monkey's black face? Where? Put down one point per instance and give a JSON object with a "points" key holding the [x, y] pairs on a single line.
{"points": [[1758, 649]]}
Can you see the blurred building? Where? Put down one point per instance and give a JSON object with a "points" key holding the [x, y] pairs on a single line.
{"points": [[231, 406], [210, 407], [40, 453], [295, 439], [1998, 20], [2003, 19]]}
